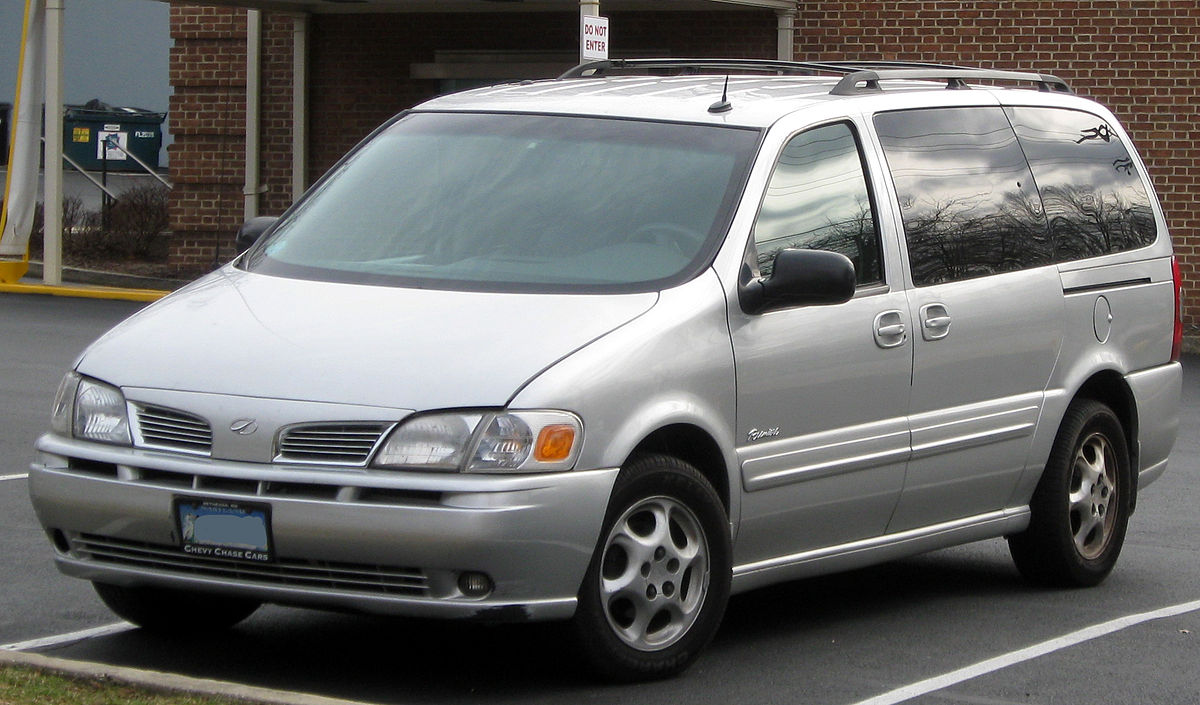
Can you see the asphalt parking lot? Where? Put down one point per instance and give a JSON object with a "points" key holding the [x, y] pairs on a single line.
{"points": [[953, 626]]}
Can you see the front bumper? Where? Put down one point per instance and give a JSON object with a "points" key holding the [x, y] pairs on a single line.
{"points": [[374, 541]]}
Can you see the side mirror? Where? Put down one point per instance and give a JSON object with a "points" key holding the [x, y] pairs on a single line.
{"points": [[253, 229], [800, 278]]}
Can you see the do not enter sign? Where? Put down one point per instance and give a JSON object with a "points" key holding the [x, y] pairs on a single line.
{"points": [[593, 40]]}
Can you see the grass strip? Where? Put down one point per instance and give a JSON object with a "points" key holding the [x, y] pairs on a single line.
{"points": [[23, 685]]}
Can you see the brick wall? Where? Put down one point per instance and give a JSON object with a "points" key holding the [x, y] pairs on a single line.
{"points": [[208, 120], [206, 117], [1140, 59]]}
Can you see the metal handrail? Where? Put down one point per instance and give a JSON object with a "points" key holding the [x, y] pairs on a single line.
{"points": [[113, 142], [89, 177]]}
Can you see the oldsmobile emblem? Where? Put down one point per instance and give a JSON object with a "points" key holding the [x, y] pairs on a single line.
{"points": [[244, 427]]}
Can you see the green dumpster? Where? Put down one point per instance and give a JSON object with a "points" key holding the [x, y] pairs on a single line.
{"points": [[101, 137]]}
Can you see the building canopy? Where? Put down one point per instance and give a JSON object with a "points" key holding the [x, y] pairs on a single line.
{"points": [[344, 6]]}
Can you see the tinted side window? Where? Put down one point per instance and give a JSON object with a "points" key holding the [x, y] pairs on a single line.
{"points": [[1094, 197], [966, 195], [817, 199]]}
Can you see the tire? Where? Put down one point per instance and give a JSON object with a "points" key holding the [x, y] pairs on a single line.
{"points": [[657, 586], [1080, 509], [175, 611]]}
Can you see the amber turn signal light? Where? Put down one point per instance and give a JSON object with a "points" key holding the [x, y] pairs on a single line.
{"points": [[554, 443]]}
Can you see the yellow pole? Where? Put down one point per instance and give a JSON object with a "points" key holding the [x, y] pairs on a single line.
{"points": [[11, 271]]}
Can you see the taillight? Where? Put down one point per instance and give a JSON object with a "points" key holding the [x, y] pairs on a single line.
{"points": [[1177, 339]]}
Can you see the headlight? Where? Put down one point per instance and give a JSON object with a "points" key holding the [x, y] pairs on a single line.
{"points": [[100, 413], [64, 404], [431, 442], [517, 441]]}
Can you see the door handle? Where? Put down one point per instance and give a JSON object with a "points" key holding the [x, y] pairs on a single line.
{"points": [[889, 329], [935, 321]]}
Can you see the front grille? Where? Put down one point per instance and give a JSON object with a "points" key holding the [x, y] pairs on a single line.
{"points": [[159, 427], [248, 487], [343, 577], [341, 444]]}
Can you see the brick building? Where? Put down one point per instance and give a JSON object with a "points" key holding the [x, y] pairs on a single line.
{"points": [[329, 71]]}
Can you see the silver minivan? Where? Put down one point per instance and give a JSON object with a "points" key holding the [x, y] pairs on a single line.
{"points": [[611, 347]]}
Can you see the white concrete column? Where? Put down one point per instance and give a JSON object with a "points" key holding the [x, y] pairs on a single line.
{"points": [[253, 117], [299, 105], [52, 190], [587, 8], [786, 27]]}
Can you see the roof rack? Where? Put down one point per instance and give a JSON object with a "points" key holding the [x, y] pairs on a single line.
{"points": [[595, 69], [955, 78], [853, 73], [871, 65]]}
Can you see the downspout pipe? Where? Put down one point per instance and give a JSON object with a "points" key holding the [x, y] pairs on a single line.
{"points": [[253, 187], [785, 23], [299, 105]]}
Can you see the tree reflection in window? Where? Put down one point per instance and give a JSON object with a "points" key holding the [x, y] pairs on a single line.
{"points": [[817, 199], [1093, 194], [970, 205]]}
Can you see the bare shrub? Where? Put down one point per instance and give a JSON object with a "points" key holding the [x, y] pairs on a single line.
{"points": [[73, 213], [78, 224], [136, 220], [36, 234]]}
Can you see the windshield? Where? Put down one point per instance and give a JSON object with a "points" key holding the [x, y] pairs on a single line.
{"points": [[502, 202]]}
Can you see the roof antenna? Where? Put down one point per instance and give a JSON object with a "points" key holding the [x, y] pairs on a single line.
{"points": [[722, 105]]}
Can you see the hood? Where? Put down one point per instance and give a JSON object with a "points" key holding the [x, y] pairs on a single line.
{"points": [[246, 334]]}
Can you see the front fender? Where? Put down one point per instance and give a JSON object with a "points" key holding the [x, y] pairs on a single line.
{"points": [[672, 365]]}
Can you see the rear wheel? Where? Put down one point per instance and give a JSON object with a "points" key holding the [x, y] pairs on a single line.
{"points": [[656, 589], [1080, 509], [165, 610]]}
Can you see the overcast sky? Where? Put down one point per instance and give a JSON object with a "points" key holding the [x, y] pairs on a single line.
{"points": [[114, 50]]}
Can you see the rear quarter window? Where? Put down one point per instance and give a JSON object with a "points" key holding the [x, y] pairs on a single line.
{"points": [[1095, 199]]}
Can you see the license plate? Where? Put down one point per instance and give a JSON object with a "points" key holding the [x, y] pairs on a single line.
{"points": [[229, 530]]}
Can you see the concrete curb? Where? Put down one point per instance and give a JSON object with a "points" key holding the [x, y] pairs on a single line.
{"points": [[76, 275], [169, 682]]}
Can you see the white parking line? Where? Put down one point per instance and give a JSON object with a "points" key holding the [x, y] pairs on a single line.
{"points": [[946, 680], [69, 638], [22, 476]]}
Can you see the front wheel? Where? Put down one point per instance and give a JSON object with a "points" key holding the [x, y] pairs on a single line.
{"points": [[175, 611], [657, 585], [1080, 508]]}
